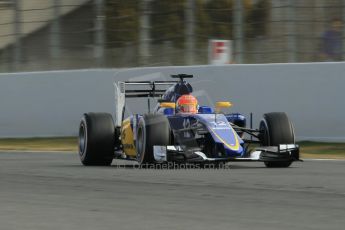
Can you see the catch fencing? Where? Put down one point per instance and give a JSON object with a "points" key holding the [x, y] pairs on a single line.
{"points": [[73, 34]]}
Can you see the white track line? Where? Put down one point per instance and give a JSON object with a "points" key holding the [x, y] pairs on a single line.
{"points": [[31, 151], [315, 159]]}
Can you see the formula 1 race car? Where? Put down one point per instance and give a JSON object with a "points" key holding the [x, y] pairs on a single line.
{"points": [[181, 131]]}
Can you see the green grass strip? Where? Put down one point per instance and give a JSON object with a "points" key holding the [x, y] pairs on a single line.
{"points": [[308, 149]]}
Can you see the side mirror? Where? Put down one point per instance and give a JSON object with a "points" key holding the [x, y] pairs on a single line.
{"points": [[168, 105], [221, 105]]}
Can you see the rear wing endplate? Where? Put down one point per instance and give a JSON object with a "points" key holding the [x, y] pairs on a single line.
{"points": [[147, 89]]}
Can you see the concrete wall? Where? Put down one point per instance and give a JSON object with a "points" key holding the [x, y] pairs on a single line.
{"points": [[35, 13], [51, 103]]}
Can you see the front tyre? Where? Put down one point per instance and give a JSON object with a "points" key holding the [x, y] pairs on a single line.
{"points": [[153, 129], [276, 129], [96, 139]]}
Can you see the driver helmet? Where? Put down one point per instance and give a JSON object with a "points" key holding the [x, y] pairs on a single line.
{"points": [[187, 104]]}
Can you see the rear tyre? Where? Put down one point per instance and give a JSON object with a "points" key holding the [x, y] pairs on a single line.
{"points": [[96, 139], [153, 129], [276, 129]]}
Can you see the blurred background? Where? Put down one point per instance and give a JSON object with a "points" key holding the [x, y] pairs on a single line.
{"points": [[72, 34]]}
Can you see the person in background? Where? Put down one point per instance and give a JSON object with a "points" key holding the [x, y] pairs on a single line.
{"points": [[331, 43]]}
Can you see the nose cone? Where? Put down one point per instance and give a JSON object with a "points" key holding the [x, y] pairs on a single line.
{"points": [[223, 133], [229, 138]]}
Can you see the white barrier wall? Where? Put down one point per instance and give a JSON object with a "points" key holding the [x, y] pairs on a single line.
{"points": [[51, 103]]}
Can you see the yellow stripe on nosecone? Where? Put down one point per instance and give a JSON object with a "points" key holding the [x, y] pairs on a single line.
{"points": [[237, 144]]}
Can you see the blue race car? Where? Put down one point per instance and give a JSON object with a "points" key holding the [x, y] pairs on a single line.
{"points": [[179, 130]]}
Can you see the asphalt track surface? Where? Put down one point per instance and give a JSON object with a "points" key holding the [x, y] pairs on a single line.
{"points": [[53, 191]]}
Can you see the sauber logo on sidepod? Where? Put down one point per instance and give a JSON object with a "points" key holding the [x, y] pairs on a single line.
{"points": [[186, 125]]}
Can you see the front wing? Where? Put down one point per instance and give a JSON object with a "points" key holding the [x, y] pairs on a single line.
{"points": [[279, 153]]}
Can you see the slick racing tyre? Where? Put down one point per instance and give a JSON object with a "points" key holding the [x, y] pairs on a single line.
{"points": [[276, 129], [96, 139], [153, 129]]}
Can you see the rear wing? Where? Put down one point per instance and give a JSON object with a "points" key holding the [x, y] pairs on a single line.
{"points": [[137, 89]]}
